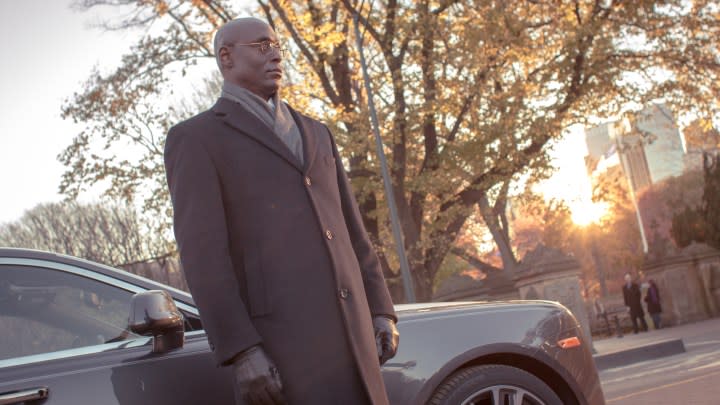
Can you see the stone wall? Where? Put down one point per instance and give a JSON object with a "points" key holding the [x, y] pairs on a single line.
{"points": [[688, 280], [689, 283]]}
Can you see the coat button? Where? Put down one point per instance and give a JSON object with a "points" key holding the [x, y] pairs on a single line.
{"points": [[328, 234], [308, 182], [344, 293]]}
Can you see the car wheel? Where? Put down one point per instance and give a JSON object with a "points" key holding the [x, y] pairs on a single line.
{"points": [[494, 385]]}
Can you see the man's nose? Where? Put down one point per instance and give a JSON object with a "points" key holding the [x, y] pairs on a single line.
{"points": [[276, 55]]}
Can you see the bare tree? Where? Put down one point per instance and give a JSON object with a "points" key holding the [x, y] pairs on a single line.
{"points": [[108, 233]]}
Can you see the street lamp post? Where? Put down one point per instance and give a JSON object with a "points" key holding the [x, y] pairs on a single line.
{"points": [[397, 234], [633, 197]]}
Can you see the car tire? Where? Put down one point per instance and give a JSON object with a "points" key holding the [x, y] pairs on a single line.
{"points": [[493, 384]]}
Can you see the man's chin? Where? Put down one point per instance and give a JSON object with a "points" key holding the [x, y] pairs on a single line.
{"points": [[273, 87]]}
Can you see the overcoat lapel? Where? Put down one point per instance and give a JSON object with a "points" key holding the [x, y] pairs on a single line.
{"points": [[309, 138], [248, 124]]}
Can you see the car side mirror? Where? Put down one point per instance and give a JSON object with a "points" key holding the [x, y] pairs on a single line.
{"points": [[154, 313]]}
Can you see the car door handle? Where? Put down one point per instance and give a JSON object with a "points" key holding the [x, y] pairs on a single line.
{"points": [[17, 397]]}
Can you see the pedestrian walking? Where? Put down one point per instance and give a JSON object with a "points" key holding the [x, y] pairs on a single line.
{"points": [[632, 297], [652, 299]]}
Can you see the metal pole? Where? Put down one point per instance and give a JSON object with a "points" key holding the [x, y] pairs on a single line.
{"points": [[628, 174], [639, 219], [397, 234]]}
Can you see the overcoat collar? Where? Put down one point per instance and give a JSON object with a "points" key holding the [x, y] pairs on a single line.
{"points": [[246, 123], [309, 137]]}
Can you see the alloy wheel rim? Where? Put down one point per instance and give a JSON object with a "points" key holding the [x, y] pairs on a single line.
{"points": [[503, 395]]}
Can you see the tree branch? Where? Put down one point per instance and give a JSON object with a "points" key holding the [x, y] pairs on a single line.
{"points": [[474, 261]]}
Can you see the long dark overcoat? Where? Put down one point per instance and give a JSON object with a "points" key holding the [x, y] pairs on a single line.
{"points": [[632, 296], [275, 252]]}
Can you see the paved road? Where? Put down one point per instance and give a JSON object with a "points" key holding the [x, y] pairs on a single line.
{"points": [[689, 378]]}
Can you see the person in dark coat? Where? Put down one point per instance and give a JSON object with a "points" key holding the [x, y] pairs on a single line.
{"points": [[289, 288], [632, 297], [652, 299]]}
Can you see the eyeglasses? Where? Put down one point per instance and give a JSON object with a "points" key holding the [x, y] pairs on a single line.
{"points": [[264, 46]]}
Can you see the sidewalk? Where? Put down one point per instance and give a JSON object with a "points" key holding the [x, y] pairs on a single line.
{"points": [[613, 351]]}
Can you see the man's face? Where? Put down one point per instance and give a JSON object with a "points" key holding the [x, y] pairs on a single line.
{"points": [[628, 278], [247, 65]]}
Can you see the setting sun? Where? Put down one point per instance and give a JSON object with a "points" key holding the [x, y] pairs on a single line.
{"points": [[585, 213]]}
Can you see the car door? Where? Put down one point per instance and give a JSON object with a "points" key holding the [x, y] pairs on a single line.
{"points": [[64, 340]]}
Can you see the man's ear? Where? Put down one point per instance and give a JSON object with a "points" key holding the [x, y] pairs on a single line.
{"points": [[226, 61]]}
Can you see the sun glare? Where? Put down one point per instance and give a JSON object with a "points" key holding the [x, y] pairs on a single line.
{"points": [[585, 213]]}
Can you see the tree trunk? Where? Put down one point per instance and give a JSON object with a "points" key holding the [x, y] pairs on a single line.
{"points": [[500, 236]]}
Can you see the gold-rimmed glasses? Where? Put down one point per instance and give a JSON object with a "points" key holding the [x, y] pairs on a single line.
{"points": [[264, 46]]}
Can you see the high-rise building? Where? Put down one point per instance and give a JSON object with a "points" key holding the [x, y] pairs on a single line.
{"points": [[634, 160], [636, 155], [663, 144], [649, 151], [599, 139]]}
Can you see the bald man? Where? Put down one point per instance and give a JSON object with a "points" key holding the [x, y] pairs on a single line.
{"points": [[289, 288]]}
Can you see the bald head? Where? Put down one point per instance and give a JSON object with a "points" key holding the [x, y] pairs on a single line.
{"points": [[238, 30], [243, 61]]}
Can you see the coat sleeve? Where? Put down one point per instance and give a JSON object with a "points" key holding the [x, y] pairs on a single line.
{"points": [[376, 290], [202, 237]]}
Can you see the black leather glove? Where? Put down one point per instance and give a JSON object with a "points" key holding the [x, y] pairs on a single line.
{"points": [[387, 338], [257, 380]]}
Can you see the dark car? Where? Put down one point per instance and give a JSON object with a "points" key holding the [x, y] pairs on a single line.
{"points": [[76, 332]]}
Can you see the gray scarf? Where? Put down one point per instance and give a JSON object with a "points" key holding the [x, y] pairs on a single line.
{"points": [[273, 113]]}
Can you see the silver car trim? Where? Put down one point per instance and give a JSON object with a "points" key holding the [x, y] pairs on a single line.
{"points": [[81, 351], [87, 274]]}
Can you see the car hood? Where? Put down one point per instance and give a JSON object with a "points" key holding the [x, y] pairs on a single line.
{"points": [[459, 305], [432, 309]]}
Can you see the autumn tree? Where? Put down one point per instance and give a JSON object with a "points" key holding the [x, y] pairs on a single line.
{"points": [[534, 221], [663, 203], [710, 208], [531, 221], [688, 226], [700, 135], [469, 94]]}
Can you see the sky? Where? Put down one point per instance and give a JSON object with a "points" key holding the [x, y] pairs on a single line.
{"points": [[49, 50], [570, 181]]}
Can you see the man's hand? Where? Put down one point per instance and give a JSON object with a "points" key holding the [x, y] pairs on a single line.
{"points": [[257, 380], [387, 338]]}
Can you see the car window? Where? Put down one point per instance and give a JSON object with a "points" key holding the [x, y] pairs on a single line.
{"points": [[44, 310]]}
